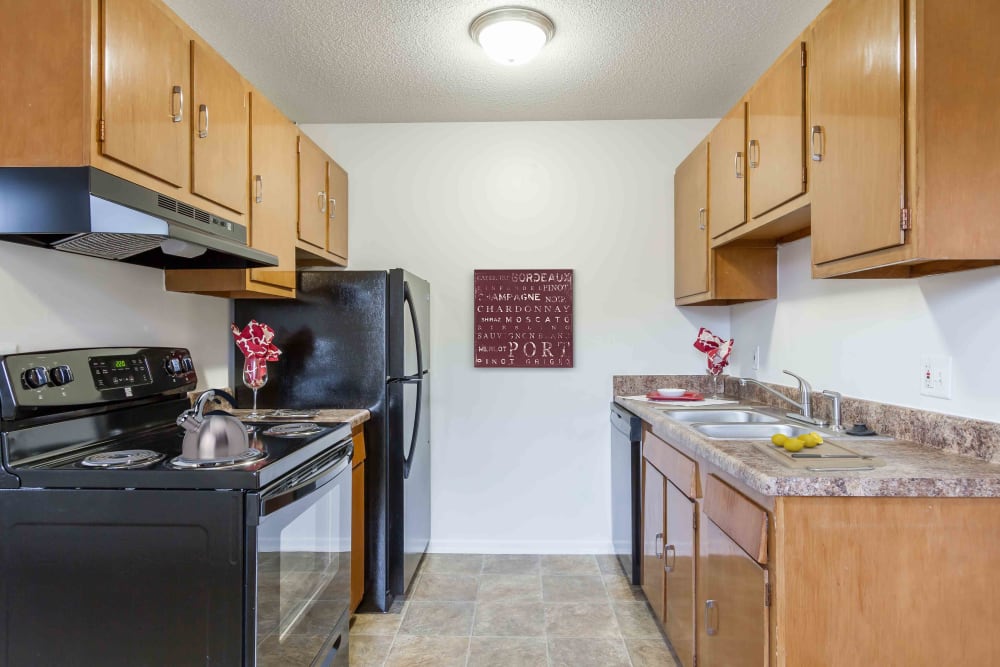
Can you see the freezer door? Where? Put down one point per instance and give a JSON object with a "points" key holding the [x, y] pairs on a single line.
{"points": [[410, 391]]}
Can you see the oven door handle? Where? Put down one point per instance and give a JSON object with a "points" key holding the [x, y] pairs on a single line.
{"points": [[285, 495]]}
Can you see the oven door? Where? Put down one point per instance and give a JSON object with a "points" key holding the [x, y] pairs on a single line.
{"points": [[299, 569]]}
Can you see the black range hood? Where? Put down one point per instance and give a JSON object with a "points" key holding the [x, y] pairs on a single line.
{"points": [[87, 211]]}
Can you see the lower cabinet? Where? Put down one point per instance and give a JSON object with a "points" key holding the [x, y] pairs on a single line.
{"points": [[358, 518], [734, 603], [653, 530], [679, 555]]}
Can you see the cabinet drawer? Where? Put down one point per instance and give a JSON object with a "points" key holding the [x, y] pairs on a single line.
{"points": [[676, 467], [741, 519]]}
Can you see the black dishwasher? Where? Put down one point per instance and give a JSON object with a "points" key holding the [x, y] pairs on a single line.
{"points": [[626, 496]]}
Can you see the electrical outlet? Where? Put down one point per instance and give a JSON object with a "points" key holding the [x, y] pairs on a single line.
{"points": [[756, 357], [935, 376]]}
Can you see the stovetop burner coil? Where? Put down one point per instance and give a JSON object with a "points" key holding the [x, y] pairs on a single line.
{"points": [[294, 430], [127, 458], [246, 458]]}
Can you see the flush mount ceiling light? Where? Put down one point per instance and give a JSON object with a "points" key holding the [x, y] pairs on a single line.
{"points": [[512, 35]]}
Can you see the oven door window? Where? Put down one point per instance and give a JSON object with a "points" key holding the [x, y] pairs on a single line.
{"points": [[303, 575]]}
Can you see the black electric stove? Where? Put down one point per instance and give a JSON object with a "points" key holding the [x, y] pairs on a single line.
{"points": [[104, 527]]}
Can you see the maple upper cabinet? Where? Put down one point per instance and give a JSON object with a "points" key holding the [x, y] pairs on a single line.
{"points": [[314, 170], [220, 129], [728, 173], [903, 100], [704, 276], [775, 154], [337, 211], [322, 230], [691, 224], [274, 190], [146, 118]]}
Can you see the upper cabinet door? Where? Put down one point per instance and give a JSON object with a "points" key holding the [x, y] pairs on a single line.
{"points": [[691, 224], [856, 128], [727, 157], [144, 109], [337, 210], [775, 150], [220, 130], [313, 170], [273, 207]]}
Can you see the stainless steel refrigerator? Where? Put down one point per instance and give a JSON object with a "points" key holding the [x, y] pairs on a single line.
{"points": [[360, 339]]}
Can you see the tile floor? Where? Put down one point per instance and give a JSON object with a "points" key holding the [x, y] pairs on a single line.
{"points": [[471, 610]]}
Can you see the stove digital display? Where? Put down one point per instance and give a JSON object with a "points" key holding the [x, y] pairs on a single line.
{"points": [[119, 372]]}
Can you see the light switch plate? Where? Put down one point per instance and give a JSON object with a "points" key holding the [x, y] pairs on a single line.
{"points": [[935, 376]]}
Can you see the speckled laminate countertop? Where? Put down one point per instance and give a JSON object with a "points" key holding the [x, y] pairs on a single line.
{"points": [[910, 469], [354, 417]]}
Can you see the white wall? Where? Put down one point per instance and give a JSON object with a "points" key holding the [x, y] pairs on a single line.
{"points": [[520, 456], [51, 299], [865, 338]]}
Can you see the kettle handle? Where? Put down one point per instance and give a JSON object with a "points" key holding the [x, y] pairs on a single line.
{"points": [[192, 418]]}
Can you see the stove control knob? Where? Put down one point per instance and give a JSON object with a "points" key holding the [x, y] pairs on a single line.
{"points": [[174, 366], [36, 377], [188, 364], [61, 375]]}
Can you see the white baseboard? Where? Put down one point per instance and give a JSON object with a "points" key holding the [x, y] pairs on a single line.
{"points": [[519, 547]]}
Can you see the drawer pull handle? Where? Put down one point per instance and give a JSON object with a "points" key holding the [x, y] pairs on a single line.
{"points": [[701, 219], [711, 618], [333, 208], [321, 200], [668, 564], [202, 113], [738, 159], [177, 94], [817, 133], [259, 183], [656, 542], [754, 153]]}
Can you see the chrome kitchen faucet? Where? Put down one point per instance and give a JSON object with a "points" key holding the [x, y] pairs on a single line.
{"points": [[805, 399]]}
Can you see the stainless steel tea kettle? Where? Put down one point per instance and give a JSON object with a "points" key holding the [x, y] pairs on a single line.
{"points": [[216, 435]]}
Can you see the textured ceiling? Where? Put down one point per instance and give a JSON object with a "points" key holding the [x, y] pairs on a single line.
{"points": [[337, 61]]}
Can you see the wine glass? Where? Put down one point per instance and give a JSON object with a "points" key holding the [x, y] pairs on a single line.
{"points": [[254, 377], [717, 380]]}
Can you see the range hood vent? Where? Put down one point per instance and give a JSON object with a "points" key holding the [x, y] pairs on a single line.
{"points": [[89, 212]]}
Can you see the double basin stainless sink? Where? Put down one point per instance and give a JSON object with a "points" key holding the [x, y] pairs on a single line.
{"points": [[742, 424]]}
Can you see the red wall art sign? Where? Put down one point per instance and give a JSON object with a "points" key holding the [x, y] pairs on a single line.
{"points": [[524, 319]]}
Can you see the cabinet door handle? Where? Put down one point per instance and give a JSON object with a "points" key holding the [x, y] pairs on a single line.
{"points": [[668, 564], [754, 153], [321, 198], [711, 618], [701, 219], [333, 208], [817, 133], [259, 188], [202, 113], [656, 549], [177, 100], [738, 159]]}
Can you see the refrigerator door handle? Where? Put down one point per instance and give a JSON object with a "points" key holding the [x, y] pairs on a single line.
{"points": [[415, 379]]}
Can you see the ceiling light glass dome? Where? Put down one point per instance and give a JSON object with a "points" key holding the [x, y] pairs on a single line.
{"points": [[512, 35]]}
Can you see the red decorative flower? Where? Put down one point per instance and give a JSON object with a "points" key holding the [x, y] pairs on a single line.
{"points": [[255, 341], [716, 349]]}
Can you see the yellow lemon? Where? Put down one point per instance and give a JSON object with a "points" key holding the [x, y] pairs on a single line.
{"points": [[778, 439], [812, 439], [794, 444]]}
